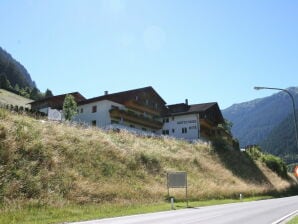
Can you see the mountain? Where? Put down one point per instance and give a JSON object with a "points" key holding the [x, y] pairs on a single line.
{"points": [[14, 71], [281, 140], [253, 121]]}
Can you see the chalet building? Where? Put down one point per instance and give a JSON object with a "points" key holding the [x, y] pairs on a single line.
{"points": [[54, 102], [137, 110], [191, 122], [143, 111]]}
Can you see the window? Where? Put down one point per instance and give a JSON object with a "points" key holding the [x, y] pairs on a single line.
{"points": [[166, 120], [93, 123], [82, 110], [173, 130], [94, 109], [184, 130], [165, 132]]}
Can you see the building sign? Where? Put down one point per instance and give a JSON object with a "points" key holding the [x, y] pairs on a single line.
{"points": [[187, 122]]}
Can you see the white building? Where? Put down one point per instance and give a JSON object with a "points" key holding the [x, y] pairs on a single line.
{"points": [[184, 126], [193, 122], [136, 110], [144, 112]]}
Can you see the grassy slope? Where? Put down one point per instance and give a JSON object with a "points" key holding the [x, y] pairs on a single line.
{"points": [[7, 97], [54, 164]]}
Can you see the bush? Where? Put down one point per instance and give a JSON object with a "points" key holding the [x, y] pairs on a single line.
{"points": [[276, 164], [254, 152]]}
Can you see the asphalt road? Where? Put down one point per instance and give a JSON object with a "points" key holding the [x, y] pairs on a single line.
{"points": [[258, 212]]}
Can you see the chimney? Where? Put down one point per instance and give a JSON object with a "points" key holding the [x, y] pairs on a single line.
{"points": [[186, 101], [106, 92]]}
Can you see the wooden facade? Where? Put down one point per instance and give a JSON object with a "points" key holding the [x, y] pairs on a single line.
{"points": [[55, 102]]}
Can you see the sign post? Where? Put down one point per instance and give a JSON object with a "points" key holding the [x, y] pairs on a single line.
{"points": [[177, 180]]}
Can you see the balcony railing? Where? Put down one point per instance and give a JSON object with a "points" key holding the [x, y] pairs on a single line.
{"points": [[135, 118], [136, 105]]}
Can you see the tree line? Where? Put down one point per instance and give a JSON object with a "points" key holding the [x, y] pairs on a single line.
{"points": [[28, 92], [15, 78]]}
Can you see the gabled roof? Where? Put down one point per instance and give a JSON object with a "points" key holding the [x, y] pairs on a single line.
{"points": [[122, 97], [205, 110]]}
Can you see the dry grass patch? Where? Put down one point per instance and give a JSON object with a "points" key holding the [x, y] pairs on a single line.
{"points": [[55, 163]]}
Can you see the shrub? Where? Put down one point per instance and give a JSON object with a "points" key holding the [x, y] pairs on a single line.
{"points": [[276, 164]]}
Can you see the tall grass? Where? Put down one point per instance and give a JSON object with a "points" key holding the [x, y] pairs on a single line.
{"points": [[54, 164]]}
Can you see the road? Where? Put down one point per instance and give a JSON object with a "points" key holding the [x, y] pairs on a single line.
{"points": [[257, 212]]}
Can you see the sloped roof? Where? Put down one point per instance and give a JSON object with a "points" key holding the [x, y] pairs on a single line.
{"points": [[210, 110], [122, 97], [60, 98]]}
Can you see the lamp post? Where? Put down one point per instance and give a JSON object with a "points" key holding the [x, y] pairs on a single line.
{"points": [[293, 102]]}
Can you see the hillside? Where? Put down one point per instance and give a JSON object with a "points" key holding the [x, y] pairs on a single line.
{"points": [[254, 120], [281, 140], [9, 98], [14, 71], [54, 163]]}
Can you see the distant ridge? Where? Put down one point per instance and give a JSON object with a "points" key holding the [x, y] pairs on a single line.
{"points": [[254, 120], [14, 71]]}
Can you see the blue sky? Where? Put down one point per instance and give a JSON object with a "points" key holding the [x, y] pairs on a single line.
{"points": [[206, 51]]}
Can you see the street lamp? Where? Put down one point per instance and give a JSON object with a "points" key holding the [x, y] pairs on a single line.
{"points": [[293, 102]]}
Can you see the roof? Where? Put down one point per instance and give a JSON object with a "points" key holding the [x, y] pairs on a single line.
{"points": [[210, 110], [183, 108], [78, 97], [122, 97]]}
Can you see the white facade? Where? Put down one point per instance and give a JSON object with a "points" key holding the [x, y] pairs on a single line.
{"points": [[182, 126], [96, 113]]}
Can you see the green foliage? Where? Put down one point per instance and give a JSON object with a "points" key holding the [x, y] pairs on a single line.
{"points": [[255, 152], [274, 163], [48, 93], [69, 107], [227, 125], [4, 82]]}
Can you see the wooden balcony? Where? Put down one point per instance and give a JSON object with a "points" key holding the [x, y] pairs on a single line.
{"points": [[133, 104], [135, 118]]}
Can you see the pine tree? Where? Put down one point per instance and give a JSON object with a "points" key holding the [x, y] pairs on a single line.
{"points": [[4, 83], [48, 93]]}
